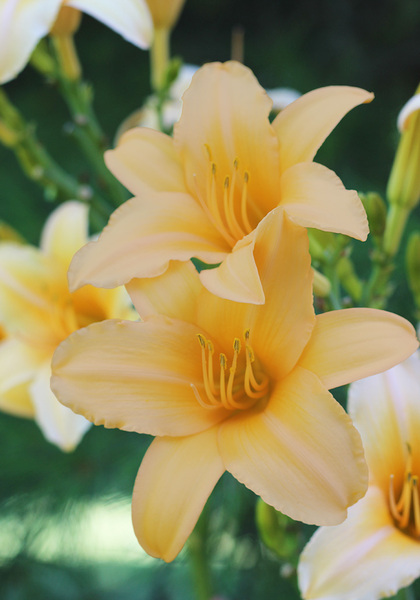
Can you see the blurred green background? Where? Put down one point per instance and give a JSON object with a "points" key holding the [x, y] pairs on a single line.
{"points": [[65, 529]]}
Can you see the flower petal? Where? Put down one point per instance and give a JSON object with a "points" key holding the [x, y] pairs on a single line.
{"points": [[22, 24], [385, 409], [280, 328], [365, 557], [173, 294], [237, 278], [174, 481], [225, 117], [129, 18], [142, 236], [303, 125], [65, 232], [301, 454], [59, 424], [354, 343], [30, 284], [146, 160], [19, 363], [313, 196], [135, 376]]}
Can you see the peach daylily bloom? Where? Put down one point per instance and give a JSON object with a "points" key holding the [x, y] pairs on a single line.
{"points": [[236, 387], [376, 551], [37, 312], [23, 23], [205, 192]]}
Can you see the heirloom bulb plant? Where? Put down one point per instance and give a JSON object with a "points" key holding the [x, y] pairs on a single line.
{"points": [[233, 387], [37, 312], [376, 551], [205, 192]]}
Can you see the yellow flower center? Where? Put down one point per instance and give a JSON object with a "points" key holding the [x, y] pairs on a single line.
{"points": [[238, 387], [228, 204], [406, 510]]}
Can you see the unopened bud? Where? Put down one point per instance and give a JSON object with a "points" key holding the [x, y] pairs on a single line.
{"points": [[276, 532], [67, 21], [348, 278], [322, 285], [412, 259], [165, 13], [403, 191], [375, 208]]}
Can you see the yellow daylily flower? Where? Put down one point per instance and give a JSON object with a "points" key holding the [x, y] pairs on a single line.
{"points": [[23, 23], [236, 387], [376, 551], [37, 312], [205, 192]]}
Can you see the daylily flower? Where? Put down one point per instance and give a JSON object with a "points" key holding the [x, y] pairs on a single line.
{"points": [[147, 116], [37, 312], [205, 192], [23, 23], [376, 551], [236, 387]]}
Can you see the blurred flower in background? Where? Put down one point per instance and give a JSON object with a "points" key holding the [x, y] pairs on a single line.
{"points": [[376, 551], [37, 312], [23, 23]]}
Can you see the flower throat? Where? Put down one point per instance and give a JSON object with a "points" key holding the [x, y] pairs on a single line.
{"points": [[237, 388]]}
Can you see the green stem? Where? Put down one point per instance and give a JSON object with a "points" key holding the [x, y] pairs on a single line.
{"points": [[85, 128], [199, 560], [39, 165], [159, 57]]}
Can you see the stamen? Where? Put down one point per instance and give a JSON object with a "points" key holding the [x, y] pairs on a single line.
{"points": [[392, 503], [236, 350], [230, 211], [202, 402], [210, 349], [406, 506], [223, 363], [244, 212], [209, 387], [248, 389], [416, 505], [406, 512]]}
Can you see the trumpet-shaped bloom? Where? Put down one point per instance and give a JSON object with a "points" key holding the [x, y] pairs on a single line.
{"points": [[236, 387], [205, 192], [37, 312], [376, 550], [23, 23]]}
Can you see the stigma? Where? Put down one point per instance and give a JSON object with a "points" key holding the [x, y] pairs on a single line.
{"points": [[236, 387]]}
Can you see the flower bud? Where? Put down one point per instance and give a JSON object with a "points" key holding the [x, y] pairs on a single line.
{"points": [[403, 191], [413, 265], [375, 208], [165, 13], [348, 278], [67, 21], [274, 529]]}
